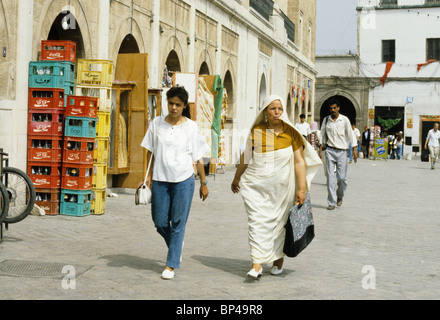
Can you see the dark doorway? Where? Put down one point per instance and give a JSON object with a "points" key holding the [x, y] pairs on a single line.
{"points": [[173, 63], [204, 69], [129, 45], [65, 27], [390, 119], [347, 109]]}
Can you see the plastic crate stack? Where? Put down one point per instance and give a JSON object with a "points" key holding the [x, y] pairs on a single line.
{"points": [[95, 79], [78, 152], [50, 80]]}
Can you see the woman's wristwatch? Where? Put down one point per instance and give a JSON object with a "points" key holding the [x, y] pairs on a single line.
{"points": [[204, 182]]}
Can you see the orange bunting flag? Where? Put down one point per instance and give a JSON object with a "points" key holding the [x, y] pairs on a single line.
{"points": [[420, 65], [387, 70]]}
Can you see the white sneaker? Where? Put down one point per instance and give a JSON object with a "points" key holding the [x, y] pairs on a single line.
{"points": [[167, 274]]}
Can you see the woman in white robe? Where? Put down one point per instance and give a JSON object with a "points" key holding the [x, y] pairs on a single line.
{"points": [[275, 171]]}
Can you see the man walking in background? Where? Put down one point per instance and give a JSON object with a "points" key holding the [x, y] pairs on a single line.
{"points": [[366, 142], [336, 135], [303, 127], [432, 142]]}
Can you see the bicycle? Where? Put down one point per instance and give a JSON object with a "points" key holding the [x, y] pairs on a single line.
{"points": [[21, 194]]}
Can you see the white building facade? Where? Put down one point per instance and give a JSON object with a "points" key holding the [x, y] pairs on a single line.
{"points": [[258, 47], [399, 49]]}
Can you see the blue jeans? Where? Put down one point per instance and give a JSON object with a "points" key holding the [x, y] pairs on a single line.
{"points": [[170, 205]]}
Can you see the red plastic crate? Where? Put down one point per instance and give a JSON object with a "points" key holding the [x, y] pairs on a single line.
{"points": [[79, 106], [46, 122], [77, 176], [58, 50], [46, 175], [49, 200], [46, 98], [45, 148], [78, 150]]}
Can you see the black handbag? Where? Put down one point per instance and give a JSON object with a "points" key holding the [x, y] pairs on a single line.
{"points": [[300, 228], [425, 156]]}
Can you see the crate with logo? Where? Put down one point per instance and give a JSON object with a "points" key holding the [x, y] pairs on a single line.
{"points": [[101, 150], [46, 98], [45, 148], [51, 74], [81, 106], [99, 180], [103, 125], [98, 201], [93, 72], [81, 127], [104, 95], [49, 200], [45, 175], [48, 122], [77, 176], [58, 50], [78, 150], [75, 202]]}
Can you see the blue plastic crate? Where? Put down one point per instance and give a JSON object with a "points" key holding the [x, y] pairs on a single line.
{"points": [[80, 127], [51, 74], [75, 203]]}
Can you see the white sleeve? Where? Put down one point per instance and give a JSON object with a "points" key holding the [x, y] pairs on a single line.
{"points": [[148, 141]]}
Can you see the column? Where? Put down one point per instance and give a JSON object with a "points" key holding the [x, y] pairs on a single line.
{"points": [[103, 29], [153, 58]]}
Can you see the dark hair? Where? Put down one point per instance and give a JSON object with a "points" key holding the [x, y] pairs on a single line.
{"points": [[179, 92], [302, 115], [333, 101]]}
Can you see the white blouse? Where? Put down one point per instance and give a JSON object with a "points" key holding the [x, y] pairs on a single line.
{"points": [[175, 149]]}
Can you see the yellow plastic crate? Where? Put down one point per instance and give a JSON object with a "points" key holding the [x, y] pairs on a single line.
{"points": [[97, 204], [101, 150], [103, 125], [93, 72], [99, 179], [104, 95]]}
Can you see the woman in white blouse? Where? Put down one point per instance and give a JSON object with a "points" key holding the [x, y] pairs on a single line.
{"points": [[176, 144]]}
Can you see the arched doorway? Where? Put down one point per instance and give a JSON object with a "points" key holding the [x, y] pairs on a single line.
{"points": [[347, 109], [229, 86], [204, 69], [173, 63], [129, 45], [62, 29], [262, 94]]}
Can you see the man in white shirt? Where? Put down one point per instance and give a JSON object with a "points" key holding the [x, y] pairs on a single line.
{"points": [[336, 136], [303, 127], [432, 142]]}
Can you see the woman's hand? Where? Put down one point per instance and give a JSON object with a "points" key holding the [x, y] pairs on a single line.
{"points": [[148, 183], [300, 197], [235, 185], [204, 192]]}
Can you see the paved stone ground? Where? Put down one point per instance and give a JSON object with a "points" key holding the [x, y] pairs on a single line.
{"points": [[389, 221]]}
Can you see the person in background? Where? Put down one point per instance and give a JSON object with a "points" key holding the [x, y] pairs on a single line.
{"points": [[303, 127], [357, 135], [432, 143], [336, 135], [366, 142]]}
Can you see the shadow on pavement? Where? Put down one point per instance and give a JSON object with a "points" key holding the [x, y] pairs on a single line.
{"points": [[236, 267], [124, 260]]}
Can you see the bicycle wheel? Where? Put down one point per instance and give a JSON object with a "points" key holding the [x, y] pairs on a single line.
{"points": [[21, 193], [4, 203]]}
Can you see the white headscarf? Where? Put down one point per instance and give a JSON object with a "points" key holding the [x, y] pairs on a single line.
{"points": [[313, 162]]}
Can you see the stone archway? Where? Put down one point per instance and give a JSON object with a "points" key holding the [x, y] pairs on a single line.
{"points": [[74, 10], [204, 69], [347, 108], [129, 45], [262, 91]]}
